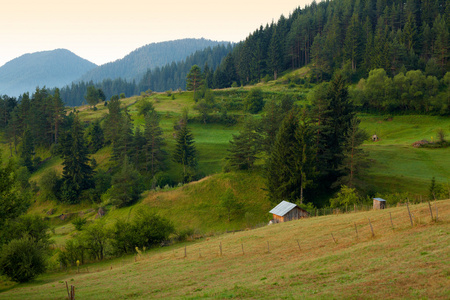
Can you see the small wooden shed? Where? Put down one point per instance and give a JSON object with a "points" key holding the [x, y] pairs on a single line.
{"points": [[286, 211], [379, 203]]}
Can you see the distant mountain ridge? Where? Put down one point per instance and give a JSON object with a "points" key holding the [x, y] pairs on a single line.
{"points": [[54, 68], [134, 65]]}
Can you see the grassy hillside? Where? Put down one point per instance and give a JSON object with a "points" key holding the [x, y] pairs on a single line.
{"points": [[318, 258], [396, 166]]}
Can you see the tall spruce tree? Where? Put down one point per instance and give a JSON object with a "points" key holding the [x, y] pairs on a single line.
{"points": [[154, 141], [245, 147], [355, 159], [113, 121], [194, 80], [185, 153], [336, 118], [290, 167], [77, 173]]}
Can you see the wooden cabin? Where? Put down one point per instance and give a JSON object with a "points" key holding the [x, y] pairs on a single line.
{"points": [[286, 211], [379, 203]]}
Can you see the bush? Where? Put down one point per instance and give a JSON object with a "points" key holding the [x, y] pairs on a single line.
{"points": [[254, 102], [49, 185], [23, 259], [79, 222], [146, 230]]}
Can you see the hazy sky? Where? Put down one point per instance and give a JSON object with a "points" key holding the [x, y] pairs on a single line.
{"points": [[106, 30]]}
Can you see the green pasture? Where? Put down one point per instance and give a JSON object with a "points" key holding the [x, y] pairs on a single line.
{"points": [[313, 258], [396, 166]]}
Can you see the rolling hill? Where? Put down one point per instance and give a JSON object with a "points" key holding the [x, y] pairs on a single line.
{"points": [[54, 68]]}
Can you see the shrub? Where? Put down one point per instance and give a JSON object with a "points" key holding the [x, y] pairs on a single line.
{"points": [[23, 259], [79, 222], [254, 102]]}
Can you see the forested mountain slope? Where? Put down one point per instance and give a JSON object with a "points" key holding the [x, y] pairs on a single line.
{"points": [[134, 65], [357, 36], [47, 68]]}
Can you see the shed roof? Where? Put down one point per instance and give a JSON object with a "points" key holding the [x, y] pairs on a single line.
{"points": [[379, 199], [283, 208]]}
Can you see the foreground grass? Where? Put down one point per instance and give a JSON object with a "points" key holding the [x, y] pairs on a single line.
{"points": [[400, 262]]}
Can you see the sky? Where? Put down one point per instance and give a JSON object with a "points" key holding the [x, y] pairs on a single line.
{"points": [[105, 30]]}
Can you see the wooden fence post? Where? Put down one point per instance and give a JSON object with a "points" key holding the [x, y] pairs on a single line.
{"points": [[371, 228], [242, 245], [409, 212], [298, 243], [220, 247], [333, 238], [431, 211], [356, 229], [185, 254], [392, 223]]}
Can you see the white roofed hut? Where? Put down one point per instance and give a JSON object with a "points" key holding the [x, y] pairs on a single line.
{"points": [[287, 211], [379, 203]]}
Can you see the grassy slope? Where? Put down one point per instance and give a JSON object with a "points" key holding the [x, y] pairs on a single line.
{"points": [[397, 166], [403, 262]]}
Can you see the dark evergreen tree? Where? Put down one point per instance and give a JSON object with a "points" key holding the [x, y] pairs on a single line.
{"points": [[335, 123], [94, 137], [126, 185], [153, 151], [355, 159], [194, 80], [185, 153], [290, 165], [113, 121], [245, 147], [27, 150], [123, 146], [77, 172]]}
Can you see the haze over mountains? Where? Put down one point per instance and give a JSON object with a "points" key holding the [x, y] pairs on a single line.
{"points": [[50, 68], [134, 65], [58, 68]]}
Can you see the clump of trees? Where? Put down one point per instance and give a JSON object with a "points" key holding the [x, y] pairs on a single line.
{"points": [[304, 149]]}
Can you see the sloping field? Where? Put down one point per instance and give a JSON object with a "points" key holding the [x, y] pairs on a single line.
{"points": [[320, 257]]}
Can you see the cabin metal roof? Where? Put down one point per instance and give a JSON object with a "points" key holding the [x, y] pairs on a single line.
{"points": [[283, 208], [379, 199]]}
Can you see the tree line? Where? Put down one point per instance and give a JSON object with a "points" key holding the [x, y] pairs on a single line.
{"points": [[355, 35]]}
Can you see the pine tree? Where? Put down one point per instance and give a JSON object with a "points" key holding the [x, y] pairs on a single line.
{"points": [[335, 125], [56, 114], [154, 141], [27, 150], [355, 159], [194, 80], [352, 43], [245, 147], [113, 121], [122, 147], [290, 166], [441, 42], [185, 153], [77, 173], [94, 137]]}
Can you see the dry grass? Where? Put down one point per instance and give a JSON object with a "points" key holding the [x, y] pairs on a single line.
{"points": [[403, 262]]}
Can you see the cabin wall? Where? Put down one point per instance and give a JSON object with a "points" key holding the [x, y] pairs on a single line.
{"points": [[294, 214]]}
